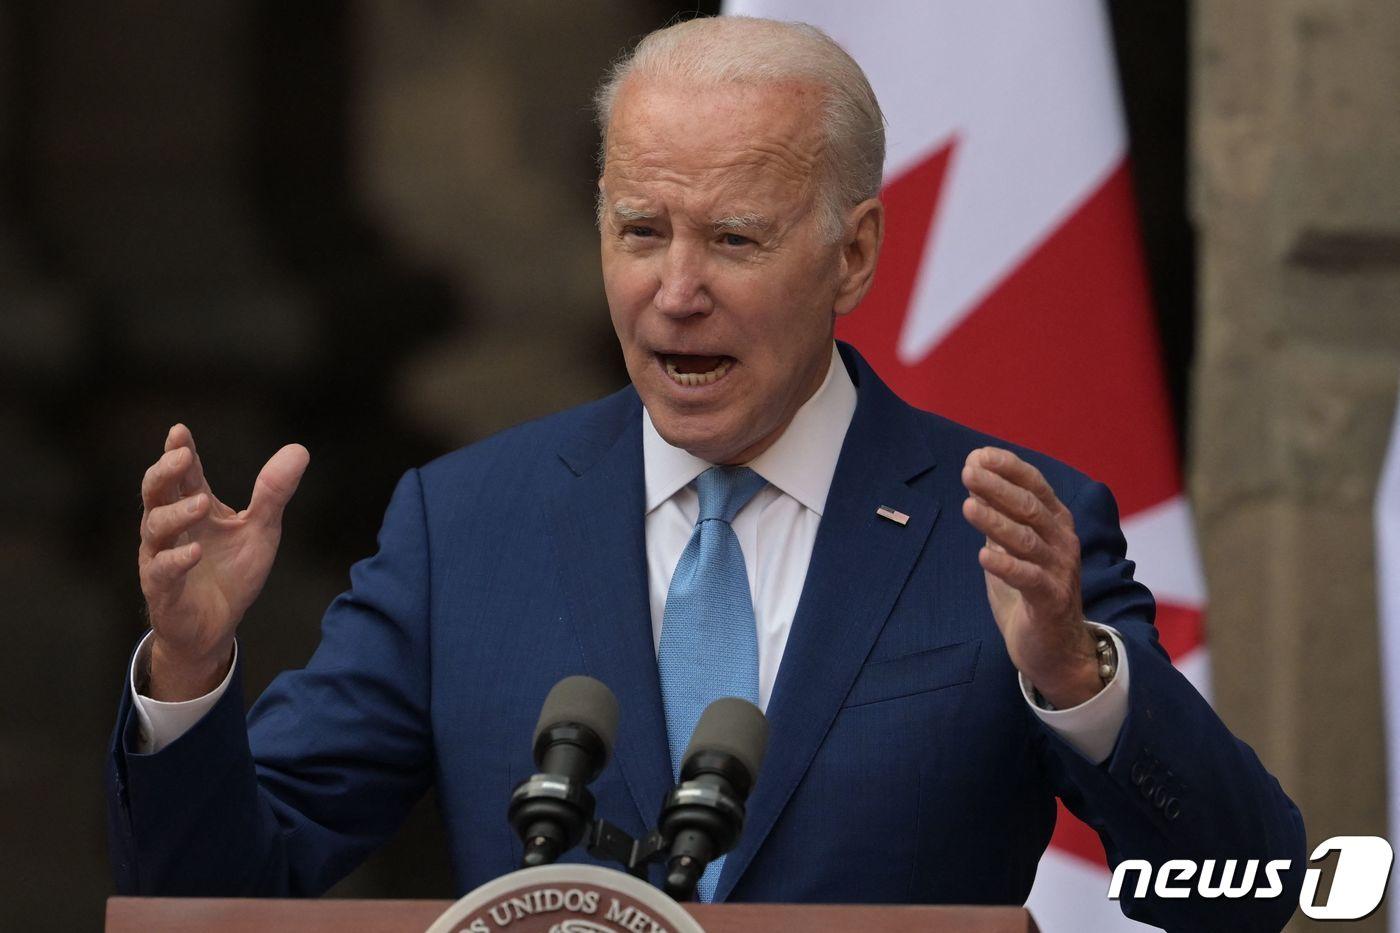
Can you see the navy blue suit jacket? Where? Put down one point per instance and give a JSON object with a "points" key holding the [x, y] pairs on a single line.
{"points": [[904, 764]]}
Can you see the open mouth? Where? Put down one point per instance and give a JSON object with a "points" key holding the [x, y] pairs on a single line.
{"points": [[690, 370]]}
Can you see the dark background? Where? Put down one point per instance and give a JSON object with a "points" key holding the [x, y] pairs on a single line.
{"points": [[187, 233]]}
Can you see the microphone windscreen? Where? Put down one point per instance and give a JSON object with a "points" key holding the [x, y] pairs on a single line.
{"points": [[732, 725], [584, 701]]}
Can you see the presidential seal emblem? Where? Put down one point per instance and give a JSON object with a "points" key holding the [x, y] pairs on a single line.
{"points": [[566, 899]]}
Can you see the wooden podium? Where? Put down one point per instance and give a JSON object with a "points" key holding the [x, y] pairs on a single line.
{"points": [[230, 915]]}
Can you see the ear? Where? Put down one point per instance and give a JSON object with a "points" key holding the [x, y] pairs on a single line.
{"points": [[860, 251]]}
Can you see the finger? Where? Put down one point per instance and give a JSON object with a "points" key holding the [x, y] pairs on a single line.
{"points": [[276, 484], [1017, 471], [1012, 536], [160, 486], [165, 523], [1012, 500], [169, 567], [1029, 578], [181, 436]]}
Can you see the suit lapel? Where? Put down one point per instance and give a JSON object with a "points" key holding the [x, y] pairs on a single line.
{"points": [[859, 565], [601, 549]]}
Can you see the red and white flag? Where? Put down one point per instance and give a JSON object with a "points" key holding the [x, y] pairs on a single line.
{"points": [[1011, 294]]}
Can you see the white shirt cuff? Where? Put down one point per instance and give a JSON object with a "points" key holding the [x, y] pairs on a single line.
{"points": [[160, 723], [1092, 727]]}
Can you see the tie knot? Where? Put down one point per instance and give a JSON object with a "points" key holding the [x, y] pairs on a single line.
{"points": [[725, 490]]}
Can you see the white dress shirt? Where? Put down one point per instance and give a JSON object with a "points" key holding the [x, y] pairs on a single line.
{"points": [[776, 530]]}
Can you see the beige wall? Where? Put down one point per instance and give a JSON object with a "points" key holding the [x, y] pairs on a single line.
{"points": [[1296, 167]]}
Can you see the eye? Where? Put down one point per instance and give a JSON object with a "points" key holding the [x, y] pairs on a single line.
{"points": [[638, 230], [734, 239]]}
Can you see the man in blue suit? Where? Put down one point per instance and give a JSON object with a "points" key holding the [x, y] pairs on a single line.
{"points": [[943, 629]]}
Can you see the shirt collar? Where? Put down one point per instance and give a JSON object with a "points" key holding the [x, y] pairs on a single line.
{"points": [[801, 462]]}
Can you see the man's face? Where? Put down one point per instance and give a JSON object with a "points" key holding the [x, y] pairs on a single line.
{"points": [[719, 280]]}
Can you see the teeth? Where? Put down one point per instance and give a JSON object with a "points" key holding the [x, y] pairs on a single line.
{"points": [[697, 379]]}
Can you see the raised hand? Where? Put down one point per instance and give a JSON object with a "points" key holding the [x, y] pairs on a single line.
{"points": [[202, 564], [1031, 560]]}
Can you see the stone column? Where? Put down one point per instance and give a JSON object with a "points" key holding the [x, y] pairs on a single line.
{"points": [[1296, 162]]}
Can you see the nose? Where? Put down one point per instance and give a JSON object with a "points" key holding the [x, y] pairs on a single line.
{"points": [[683, 290]]}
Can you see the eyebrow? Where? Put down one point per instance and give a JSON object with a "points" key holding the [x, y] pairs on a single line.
{"points": [[632, 213], [748, 221], [741, 222]]}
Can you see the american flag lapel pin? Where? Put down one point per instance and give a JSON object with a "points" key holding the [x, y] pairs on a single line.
{"points": [[894, 515]]}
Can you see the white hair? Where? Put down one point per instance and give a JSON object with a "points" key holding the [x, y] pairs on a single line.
{"points": [[746, 50]]}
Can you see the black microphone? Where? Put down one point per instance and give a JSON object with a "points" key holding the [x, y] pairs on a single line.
{"points": [[702, 818], [573, 740]]}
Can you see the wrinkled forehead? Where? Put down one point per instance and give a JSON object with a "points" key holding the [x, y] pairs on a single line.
{"points": [[668, 123]]}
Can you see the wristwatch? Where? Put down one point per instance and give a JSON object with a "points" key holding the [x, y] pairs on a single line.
{"points": [[1107, 654], [1108, 657]]}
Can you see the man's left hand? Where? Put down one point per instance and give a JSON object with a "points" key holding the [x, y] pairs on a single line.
{"points": [[1031, 560]]}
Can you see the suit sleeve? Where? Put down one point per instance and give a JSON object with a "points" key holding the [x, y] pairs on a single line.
{"points": [[325, 767], [1178, 784]]}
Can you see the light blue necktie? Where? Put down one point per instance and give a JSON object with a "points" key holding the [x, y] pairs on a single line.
{"points": [[709, 639]]}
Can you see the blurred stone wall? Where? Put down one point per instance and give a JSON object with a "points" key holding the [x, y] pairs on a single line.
{"points": [[346, 224], [1296, 168], [475, 148]]}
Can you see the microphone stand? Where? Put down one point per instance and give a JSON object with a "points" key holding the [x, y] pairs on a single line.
{"points": [[700, 820], [610, 843]]}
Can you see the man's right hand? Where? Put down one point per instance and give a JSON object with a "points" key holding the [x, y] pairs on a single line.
{"points": [[202, 564]]}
